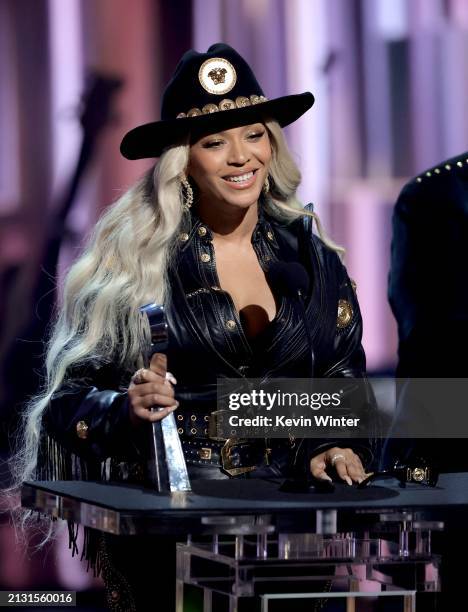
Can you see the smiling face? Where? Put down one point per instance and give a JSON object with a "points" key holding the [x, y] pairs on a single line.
{"points": [[230, 167]]}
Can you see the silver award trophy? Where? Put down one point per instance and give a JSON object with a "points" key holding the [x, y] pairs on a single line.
{"points": [[168, 470]]}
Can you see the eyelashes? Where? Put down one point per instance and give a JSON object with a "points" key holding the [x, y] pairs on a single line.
{"points": [[256, 135], [211, 144]]}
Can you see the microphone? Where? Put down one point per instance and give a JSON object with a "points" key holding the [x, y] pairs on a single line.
{"points": [[290, 279]]}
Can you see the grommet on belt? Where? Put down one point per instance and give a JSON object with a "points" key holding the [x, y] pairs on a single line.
{"points": [[205, 257], [180, 417], [193, 431], [193, 417], [230, 324]]}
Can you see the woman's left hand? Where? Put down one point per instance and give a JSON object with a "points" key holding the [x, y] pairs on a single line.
{"points": [[347, 464]]}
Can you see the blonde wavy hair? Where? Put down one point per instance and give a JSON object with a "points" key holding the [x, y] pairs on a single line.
{"points": [[125, 265]]}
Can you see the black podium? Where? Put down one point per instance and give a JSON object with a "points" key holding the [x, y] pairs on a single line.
{"points": [[247, 539]]}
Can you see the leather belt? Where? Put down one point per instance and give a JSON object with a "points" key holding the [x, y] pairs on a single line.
{"points": [[199, 424], [235, 456]]}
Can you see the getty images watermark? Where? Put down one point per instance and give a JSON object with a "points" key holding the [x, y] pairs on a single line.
{"points": [[282, 400], [342, 407], [299, 407]]}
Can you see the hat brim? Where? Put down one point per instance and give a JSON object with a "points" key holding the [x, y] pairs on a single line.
{"points": [[150, 139]]}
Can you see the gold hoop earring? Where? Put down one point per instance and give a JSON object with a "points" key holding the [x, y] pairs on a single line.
{"points": [[187, 192], [266, 185]]}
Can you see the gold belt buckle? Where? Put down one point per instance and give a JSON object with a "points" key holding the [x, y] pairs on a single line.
{"points": [[226, 458]]}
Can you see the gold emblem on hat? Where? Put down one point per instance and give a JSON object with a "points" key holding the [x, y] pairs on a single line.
{"points": [[345, 314], [217, 75]]}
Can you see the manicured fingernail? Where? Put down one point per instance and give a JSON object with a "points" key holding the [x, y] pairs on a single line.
{"points": [[360, 480], [348, 480], [171, 378], [172, 408], [325, 477]]}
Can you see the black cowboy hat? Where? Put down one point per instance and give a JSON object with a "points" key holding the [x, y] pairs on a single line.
{"points": [[208, 92]]}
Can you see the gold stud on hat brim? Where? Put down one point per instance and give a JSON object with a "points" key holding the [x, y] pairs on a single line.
{"points": [[226, 104], [151, 139]]}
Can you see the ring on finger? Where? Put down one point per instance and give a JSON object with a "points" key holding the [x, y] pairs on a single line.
{"points": [[335, 458], [137, 378]]}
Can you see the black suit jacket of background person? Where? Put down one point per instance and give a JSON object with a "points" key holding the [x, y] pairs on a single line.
{"points": [[428, 288], [428, 282]]}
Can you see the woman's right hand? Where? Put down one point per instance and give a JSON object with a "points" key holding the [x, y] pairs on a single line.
{"points": [[152, 387]]}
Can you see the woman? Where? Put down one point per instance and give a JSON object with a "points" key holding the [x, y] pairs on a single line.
{"points": [[198, 234]]}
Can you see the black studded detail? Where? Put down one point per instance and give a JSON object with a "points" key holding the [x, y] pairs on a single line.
{"points": [[197, 292]]}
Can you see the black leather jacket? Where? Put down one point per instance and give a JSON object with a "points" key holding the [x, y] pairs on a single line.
{"points": [[207, 342]]}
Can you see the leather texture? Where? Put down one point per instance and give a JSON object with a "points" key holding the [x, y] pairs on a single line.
{"points": [[207, 342]]}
